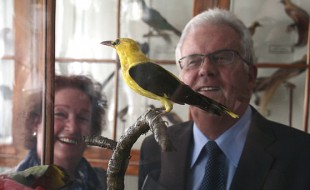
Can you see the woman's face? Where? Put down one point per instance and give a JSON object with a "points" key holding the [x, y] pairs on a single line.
{"points": [[72, 121]]}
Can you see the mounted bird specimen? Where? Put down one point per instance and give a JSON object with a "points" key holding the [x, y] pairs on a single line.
{"points": [[270, 84], [156, 21], [145, 48], [253, 26], [122, 113], [301, 21], [153, 81], [6, 92], [49, 177]]}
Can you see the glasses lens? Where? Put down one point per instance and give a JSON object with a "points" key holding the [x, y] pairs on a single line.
{"points": [[191, 61], [222, 57]]}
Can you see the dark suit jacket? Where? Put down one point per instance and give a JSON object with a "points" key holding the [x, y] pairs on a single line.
{"points": [[275, 157]]}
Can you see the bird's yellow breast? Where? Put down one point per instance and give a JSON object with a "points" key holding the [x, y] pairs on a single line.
{"points": [[130, 57]]}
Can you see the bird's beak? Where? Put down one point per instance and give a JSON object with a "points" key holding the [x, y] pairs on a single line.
{"points": [[107, 43]]}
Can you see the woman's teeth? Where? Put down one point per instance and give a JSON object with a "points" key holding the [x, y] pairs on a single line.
{"points": [[68, 140]]}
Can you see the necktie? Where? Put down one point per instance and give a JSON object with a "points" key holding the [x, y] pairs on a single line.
{"points": [[214, 177]]}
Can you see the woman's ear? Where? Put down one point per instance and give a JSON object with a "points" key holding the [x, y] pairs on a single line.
{"points": [[36, 123]]}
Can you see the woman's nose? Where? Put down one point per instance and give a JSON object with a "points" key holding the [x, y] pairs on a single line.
{"points": [[72, 124]]}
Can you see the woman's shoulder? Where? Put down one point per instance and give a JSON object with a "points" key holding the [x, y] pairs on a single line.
{"points": [[102, 177]]}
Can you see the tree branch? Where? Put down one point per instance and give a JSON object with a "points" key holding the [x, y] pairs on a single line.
{"points": [[118, 163]]}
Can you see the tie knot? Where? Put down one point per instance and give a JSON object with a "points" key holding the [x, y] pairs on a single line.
{"points": [[213, 148]]}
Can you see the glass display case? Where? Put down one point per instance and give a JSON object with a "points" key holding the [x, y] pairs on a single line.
{"points": [[43, 38], [280, 42]]}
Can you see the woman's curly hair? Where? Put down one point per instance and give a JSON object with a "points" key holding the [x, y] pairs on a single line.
{"points": [[85, 84]]}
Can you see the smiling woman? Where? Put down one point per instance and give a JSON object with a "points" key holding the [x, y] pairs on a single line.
{"points": [[79, 110]]}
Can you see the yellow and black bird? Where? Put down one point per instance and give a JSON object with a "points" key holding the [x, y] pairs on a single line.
{"points": [[50, 177], [301, 21], [153, 81]]}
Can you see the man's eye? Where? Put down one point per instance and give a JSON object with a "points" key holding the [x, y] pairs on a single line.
{"points": [[194, 61], [219, 59]]}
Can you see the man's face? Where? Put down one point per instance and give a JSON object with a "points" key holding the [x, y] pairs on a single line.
{"points": [[229, 84]]}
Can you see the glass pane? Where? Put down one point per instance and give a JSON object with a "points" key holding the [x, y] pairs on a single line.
{"points": [[281, 98], [82, 25], [139, 23], [6, 70], [6, 89], [21, 74]]}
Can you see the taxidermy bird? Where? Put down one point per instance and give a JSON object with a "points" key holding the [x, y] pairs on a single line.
{"points": [[156, 21], [122, 113], [144, 48], [49, 177], [6, 92], [153, 81], [253, 27], [6, 36], [301, 21], [270, 84]]}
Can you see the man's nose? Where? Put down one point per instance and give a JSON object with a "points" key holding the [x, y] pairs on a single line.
{"points": [[207, 67]]}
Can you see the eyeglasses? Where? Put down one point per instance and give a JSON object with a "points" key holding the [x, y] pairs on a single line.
{"points": [[220, 57]]}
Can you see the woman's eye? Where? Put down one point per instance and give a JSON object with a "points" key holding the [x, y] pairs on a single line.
{"points": [[83, 118], [60, 114]]}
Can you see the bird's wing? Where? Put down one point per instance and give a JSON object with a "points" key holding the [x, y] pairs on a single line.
{"points": [[155, 79]]}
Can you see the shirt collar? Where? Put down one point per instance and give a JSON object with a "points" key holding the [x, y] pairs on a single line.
{"points": [[231, 141]]}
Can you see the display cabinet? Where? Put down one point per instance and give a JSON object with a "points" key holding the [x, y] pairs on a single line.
{"points": [[43, 38]]}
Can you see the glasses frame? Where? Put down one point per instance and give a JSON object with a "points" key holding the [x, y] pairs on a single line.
{"points": [[211, 54]]}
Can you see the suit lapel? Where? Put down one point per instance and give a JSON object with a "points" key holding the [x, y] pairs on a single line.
{"points": [[255, 161], [174, 164]]}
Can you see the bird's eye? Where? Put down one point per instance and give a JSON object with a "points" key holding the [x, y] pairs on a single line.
{"points": [[116, 42]]}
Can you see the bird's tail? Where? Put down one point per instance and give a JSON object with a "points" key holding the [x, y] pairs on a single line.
{"points": [[212, 106], [177, 32], [184, 94]]}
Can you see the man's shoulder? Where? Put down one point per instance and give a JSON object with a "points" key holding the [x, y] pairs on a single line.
{"points": [[289, 132], [280, 130], [287, 137]]}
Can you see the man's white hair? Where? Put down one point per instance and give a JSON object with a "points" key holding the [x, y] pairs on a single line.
{"points": [[220, 16]]}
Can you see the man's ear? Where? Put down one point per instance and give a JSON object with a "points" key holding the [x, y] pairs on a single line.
{"points": [[252, 75]]}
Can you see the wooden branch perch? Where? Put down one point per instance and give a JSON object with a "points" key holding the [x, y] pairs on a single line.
{"points": [[118, 164]]}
